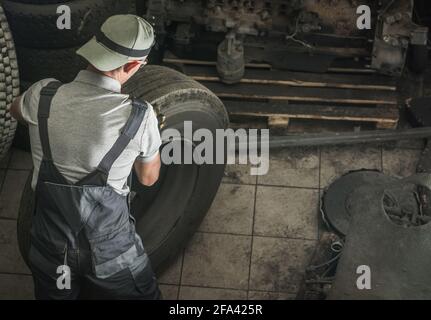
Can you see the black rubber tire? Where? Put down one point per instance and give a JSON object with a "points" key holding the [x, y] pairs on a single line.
{"points": [[24, 218], [39, 1], [9, 84], [21, 139], [35, 25], [38, 64], [418, 58], [168, 213]]}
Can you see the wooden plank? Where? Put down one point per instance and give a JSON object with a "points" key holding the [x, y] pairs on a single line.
{"points": [[211, 63], [386, 125], [342, 68], [248, 125], [342, 52], [351, 70], [298, 79], [265, 66], [278, 121], [283, 93], [385, 114]]}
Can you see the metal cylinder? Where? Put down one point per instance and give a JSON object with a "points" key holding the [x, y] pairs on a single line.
{"points": [[230, 60]]}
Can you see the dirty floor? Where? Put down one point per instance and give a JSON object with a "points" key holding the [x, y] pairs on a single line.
{"points": [[257, 237]]}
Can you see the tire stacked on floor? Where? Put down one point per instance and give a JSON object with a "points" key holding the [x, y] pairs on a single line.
{"points": [[9, 84], [43, 50]]}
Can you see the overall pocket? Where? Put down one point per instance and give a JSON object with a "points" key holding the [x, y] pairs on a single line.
{"points": [[113, 252]]}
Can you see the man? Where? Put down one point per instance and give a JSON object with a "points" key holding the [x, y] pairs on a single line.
{"points": [[86, 136]]}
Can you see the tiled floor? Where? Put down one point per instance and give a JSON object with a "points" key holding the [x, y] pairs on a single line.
{"points": [[257, 237]]}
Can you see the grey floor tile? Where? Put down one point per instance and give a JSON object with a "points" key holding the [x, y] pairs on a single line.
{"points": [[16, 287], [336, 161], [239, 173], [231, 211], [286, 212], [172, 274], [200, 293], [217, 260], [10, 195], [169, 292], [21, 160], [279, 264], [10, 257], [4, 162], [265, 295], [2, 176], [297, 167], [400, 162]]}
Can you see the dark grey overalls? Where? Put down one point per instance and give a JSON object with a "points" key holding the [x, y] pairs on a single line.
{"points": [[87, 227]]}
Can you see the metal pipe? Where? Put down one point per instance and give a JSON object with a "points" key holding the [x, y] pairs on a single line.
{"points": [[339, 138]]}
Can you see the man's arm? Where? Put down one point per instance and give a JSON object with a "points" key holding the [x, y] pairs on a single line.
{"points": [[147, 164], [15, 110], [148, 172], [24, 108]]}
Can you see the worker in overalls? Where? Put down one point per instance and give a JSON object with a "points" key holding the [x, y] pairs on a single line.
{"points": [[86, 136]]}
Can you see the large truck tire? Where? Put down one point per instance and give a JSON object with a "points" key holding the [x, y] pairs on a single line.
{"points": [[38, 64], [9, 84], [34, 23], [40, 1], [168, 213]]}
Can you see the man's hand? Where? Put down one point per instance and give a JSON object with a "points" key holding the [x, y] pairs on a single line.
{"points": [[148, 172], [15, 110]]}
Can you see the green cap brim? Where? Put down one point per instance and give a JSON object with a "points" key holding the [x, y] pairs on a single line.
{"points": [[101, 57]]}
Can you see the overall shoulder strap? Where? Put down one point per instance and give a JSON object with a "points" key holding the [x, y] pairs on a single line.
{"points": [[46, 95], [127, 134]]}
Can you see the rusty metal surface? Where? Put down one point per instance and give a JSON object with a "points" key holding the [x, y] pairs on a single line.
{"points": [[336, 199], [262, 17], [398, 257], [395, 30], [307, 35]]}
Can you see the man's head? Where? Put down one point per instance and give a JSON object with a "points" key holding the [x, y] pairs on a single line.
{"points": [[123, 73], [121, 47]]}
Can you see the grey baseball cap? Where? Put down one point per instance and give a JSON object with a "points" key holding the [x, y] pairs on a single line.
{"points": [[122, 38]]}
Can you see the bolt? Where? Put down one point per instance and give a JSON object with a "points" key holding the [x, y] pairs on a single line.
{"points": [[390, 19], [264, 15], [398, 16]]}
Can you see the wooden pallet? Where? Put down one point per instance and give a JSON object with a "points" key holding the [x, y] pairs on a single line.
{"points": [[280, 96]]}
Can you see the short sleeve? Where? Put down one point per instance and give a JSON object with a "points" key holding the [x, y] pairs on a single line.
{"points": [[29, 101], [150, 141]]}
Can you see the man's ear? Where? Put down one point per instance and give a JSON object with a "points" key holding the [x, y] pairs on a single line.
{"points": [[131, 65]]}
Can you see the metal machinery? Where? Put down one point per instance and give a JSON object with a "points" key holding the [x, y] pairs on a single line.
{"points": [[299, 35]]}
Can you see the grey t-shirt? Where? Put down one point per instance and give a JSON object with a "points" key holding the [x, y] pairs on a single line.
{"points": [[85, 120]]}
